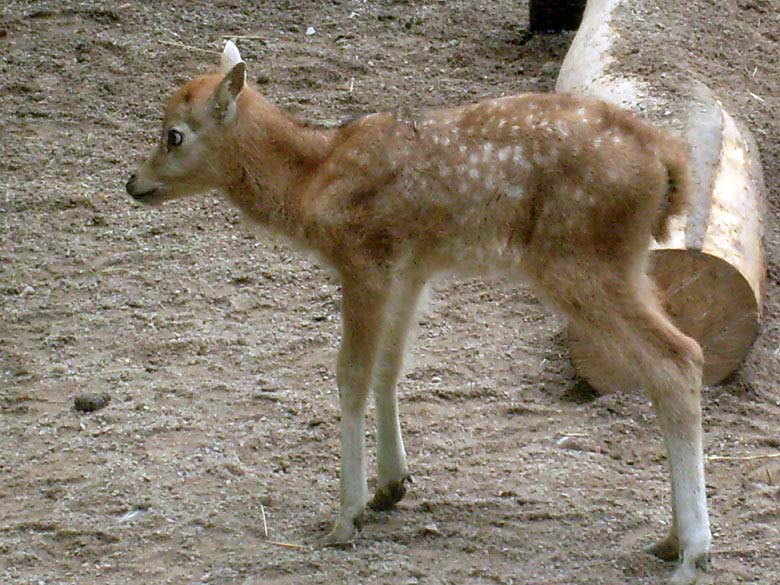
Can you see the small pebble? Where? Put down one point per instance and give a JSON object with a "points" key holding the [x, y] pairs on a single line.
{"points": [[311, 31], [133, 514], [431, 530], [269, 394], [90, 402], [570, 443]]}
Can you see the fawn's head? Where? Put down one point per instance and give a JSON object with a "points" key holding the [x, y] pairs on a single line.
{"points": [[187, 158]]}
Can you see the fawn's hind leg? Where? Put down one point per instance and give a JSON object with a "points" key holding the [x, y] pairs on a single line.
{"points": [[391, 456], [674, 386], [618, 309]]}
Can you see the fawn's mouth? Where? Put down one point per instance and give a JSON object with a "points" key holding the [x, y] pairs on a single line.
{"points": [[151, 197], [148, 197]]}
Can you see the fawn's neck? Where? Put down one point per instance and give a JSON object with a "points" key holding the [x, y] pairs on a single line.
{"points": [[269, 157]]}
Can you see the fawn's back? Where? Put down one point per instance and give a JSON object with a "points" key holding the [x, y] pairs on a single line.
{"points": [[473, 187]]}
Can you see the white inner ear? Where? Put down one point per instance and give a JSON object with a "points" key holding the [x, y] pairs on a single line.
{"points": [[230, 57]]}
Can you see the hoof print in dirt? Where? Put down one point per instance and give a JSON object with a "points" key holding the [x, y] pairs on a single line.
{"points": [[90, 402]]}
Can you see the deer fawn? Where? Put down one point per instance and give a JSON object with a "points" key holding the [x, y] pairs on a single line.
{"points": [[564, 192]]}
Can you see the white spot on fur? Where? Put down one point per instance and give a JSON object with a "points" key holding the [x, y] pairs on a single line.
{"points": [[505, 153], [542, 158], [474, 173], [518, 156], [515, 192], [562, 128]]}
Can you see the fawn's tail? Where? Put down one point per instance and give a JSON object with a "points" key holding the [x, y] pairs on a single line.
{"points": [[674, 156]]}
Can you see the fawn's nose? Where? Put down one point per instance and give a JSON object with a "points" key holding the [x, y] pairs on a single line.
{"points": [[129, 186]]}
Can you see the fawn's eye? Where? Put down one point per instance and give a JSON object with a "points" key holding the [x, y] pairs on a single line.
{"points": [[175, 138]]}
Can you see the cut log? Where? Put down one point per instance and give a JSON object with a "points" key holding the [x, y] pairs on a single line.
{"points": [[711, 272]]}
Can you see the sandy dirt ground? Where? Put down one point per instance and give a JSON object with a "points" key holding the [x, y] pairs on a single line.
{"points": [[217, 344]]}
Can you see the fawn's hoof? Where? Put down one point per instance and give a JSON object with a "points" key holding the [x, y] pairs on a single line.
{"points": [[339, 536], [388, 496], [343, 532], [667, 549], [690, 570]]}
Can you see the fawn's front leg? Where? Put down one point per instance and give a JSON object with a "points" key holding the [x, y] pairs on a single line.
{"points": [[391, 456], [363, 321]]}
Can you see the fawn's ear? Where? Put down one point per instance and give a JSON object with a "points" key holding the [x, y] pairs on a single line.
{"points": [[227, 91], [230, 57]]}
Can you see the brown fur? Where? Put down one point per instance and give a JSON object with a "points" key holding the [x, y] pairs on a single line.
{"points": [[564, 192]]}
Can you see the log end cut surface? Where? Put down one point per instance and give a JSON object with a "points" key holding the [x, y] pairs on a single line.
{"points": [[707, 298], [711, 301]]}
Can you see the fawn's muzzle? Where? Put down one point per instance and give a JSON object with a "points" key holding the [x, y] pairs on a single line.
{"points": [[135, 194], [130, 186]]}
